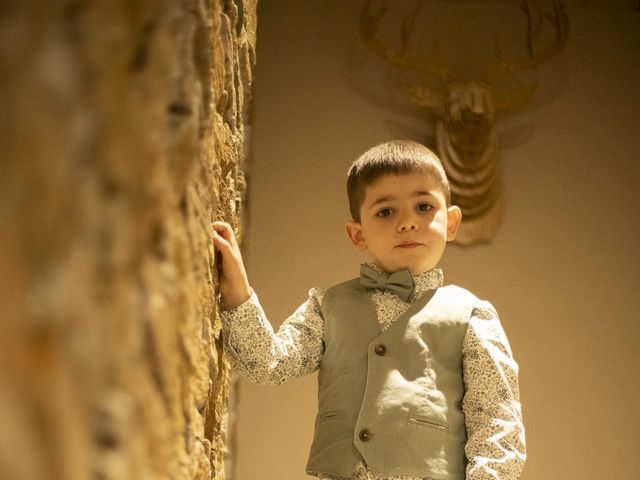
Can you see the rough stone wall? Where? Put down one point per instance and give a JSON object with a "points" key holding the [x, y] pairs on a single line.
{"points": [[121, 137]]}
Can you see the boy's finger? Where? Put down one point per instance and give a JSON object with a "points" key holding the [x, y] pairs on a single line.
{"points": [[220, 242], [225, 231], [221, 227]]}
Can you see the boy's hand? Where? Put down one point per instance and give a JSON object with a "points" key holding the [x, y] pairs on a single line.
{"points": [[234, 284]]}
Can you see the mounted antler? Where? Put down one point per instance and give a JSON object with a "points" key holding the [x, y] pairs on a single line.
{"points": [[369, 24], [466, 111]]}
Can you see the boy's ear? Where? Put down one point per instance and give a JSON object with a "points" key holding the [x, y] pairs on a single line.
{"points": [[354, 232], [454, 217]]}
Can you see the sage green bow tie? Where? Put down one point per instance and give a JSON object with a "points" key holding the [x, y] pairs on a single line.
{"points": [[401, 283]]}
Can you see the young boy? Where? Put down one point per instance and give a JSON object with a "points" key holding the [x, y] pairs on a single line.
{"points": [[416, 380]]}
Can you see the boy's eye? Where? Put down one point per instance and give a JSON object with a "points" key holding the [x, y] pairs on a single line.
{"points": [[385, 212], [425, 207]]}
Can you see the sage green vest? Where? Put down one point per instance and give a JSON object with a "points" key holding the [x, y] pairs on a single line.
{"points": [[392, 398]]}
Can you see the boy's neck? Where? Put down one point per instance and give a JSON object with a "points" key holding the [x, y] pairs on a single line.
{"points": [[382, 270]]}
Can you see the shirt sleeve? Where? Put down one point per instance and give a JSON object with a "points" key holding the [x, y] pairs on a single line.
{"points": [[265, 356], [495, 445]]}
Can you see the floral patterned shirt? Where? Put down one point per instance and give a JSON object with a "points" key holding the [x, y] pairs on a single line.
{"points": [[495, 446]]}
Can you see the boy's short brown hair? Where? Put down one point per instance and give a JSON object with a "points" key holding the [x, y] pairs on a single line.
{"points": [[392, 158]]}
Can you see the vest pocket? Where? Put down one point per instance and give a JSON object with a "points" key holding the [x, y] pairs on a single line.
{"points": [[427, 422]]}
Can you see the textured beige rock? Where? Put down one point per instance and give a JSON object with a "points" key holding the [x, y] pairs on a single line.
{"points": [[122, 138]]}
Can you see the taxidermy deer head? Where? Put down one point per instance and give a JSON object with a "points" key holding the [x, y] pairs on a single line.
{"points": [[465, 110]]}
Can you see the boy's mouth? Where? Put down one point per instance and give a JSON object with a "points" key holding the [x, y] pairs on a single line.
{"points": [[409, 244]]}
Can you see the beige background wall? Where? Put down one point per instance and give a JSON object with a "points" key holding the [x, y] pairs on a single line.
{"points": [[561, 271]]}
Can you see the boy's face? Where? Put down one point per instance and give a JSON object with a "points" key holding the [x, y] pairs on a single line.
{"points": [[404, 222]]}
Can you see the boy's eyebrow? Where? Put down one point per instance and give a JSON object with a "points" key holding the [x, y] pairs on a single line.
{"points": [[388, 198], [420, 193]]}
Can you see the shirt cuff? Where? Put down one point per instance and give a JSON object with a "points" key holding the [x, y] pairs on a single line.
{"points": [[240, 310], [248, 313]]}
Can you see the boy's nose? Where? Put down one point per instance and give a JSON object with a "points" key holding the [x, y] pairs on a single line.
{"points": [[407, 223], [411, 226]]}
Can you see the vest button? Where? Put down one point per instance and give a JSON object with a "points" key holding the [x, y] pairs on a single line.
{"points": [[380, 349], [365, 435]]}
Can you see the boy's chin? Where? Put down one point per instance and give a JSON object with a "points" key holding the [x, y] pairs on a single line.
{"points": [[414, 268]]}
